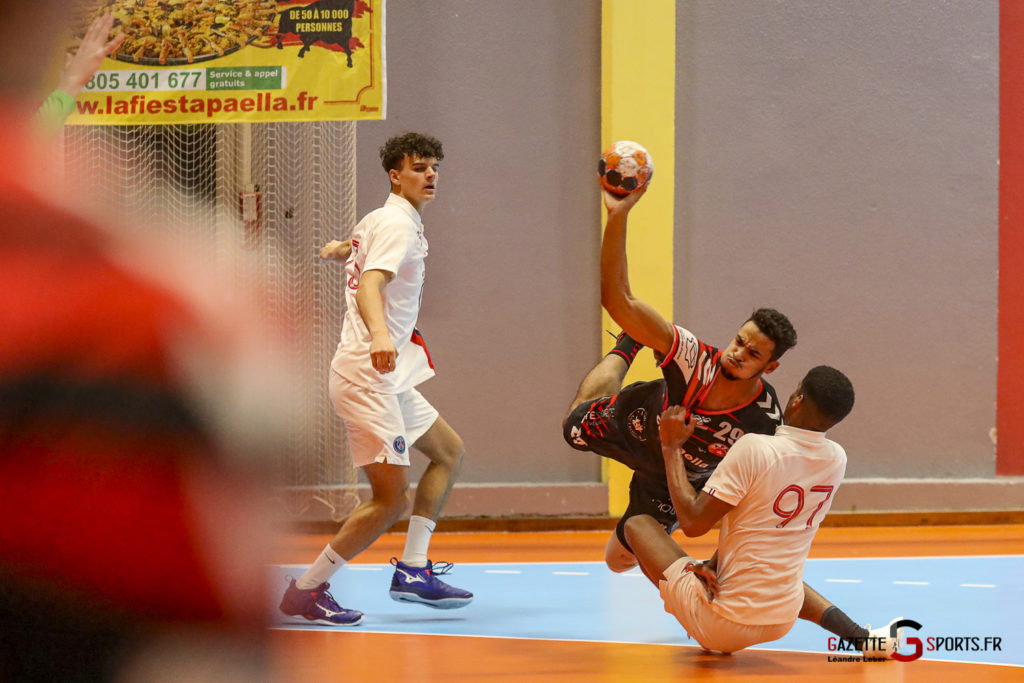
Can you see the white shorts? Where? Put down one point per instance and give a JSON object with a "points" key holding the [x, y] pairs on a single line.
{"points": [[686, 599], [381, 427]]}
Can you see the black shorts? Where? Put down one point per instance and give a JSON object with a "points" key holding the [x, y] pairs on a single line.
{"points": [[624, 428], [648, 497]]}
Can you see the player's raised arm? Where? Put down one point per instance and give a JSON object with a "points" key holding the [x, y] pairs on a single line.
{"points": [[637, 318]]}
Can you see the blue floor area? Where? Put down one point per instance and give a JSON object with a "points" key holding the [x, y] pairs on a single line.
{"points": [[970, 598]]}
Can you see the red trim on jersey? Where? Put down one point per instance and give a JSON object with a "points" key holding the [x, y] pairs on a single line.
{"points": [[760, 388], [700, 383], [692, 393], [670, 356], [417, 339]]}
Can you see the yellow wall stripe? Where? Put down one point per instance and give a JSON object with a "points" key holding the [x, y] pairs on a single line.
{"points": [[638, 48]]}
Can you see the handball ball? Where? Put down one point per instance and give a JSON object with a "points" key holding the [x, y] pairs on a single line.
{"points": [[624, 167]]}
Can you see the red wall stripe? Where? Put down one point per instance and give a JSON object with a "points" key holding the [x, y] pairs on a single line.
{"points": [[1010, 392]]}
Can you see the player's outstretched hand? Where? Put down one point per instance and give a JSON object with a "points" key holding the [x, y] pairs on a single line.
{"points": [[677, 424], [80, 66], [614, 202], [336, 251], [707, 576]]}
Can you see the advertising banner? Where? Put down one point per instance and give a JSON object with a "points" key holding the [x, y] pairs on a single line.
{"points": [[217, 61]]}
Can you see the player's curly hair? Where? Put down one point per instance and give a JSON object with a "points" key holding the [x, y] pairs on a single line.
{"points": [[409, 144], [776, 327], [830, 390]]}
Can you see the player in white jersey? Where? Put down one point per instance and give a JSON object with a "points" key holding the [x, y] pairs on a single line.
{"points": [[771, 493], [379, 362]]}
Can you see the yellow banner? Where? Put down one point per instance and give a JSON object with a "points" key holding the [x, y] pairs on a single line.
{"points": [[218, 61]]}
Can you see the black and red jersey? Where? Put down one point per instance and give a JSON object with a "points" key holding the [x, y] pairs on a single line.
{"points": [[690, 368], [624, 427]]}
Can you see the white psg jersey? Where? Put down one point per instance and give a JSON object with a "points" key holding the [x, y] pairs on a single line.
{"points": [[388, 239], [782, 487]]}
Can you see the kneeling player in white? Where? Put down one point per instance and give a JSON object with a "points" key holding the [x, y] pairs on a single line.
{"points": [[771, 493]]}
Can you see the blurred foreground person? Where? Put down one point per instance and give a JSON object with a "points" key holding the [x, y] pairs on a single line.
{"points": [[132, 547]]}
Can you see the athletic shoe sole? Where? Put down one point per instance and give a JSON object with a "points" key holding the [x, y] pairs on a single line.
{"points": [[299, 619], [443, 603]]}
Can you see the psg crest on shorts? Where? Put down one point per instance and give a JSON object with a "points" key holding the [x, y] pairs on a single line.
{"points": [[399, 445], [636, 423]]}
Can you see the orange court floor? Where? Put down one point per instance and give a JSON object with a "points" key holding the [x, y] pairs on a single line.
{"points": [[349, 654]]}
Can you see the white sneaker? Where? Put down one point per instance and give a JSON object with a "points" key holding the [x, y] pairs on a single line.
{"points": [[881, 642]]}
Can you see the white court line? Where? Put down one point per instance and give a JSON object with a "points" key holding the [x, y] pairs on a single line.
{"points": [[842, 580], [364, 568], [676, 644], [911, 583], [502, 571], [978, 585], [572, 573]]}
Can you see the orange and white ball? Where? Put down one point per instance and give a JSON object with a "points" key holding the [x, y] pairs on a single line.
{"points": [[624, 167]]}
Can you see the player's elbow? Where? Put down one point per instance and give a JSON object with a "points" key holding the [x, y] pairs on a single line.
{"points": [[618, 306], [611, 298]]}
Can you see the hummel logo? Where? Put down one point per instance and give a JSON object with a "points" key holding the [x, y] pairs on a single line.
{"points": [[411, 578], [768, 403]]}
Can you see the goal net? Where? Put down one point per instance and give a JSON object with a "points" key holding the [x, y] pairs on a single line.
{"points": [[281, 190]]}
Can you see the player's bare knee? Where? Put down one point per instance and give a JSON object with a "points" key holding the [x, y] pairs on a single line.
{"points": [[621, 569], [617, 557], [442, 446], [621, 562], [453, 453]]}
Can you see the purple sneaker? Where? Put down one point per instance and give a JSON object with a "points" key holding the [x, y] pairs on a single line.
{"points": [[420, 584], [318, 606]]}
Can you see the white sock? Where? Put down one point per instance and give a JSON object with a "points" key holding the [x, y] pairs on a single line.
{"points": [[417, 541], [322, 570]]}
